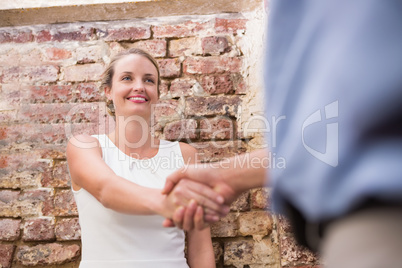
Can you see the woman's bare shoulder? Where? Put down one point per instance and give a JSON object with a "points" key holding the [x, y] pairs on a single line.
{"points": [[82, 141]]}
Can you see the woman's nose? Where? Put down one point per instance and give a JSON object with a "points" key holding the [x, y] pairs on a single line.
{"points": [[138, 87]]}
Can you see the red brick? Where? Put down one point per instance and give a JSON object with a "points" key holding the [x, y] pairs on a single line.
{"points": [[128, 34], [253, 253], [157, 48], [55, 53], [22, 161], [82, 34], [182, 87], [87, 92], [214, 45], [219, 128], [60, 113], [86, 72], [9, 229], [35, 135], [48, 94], [163, 88], [185, 47], [68, 229], [239, 85], [226, 227], [241, 204], [47, 254], [230, 25], [43, 36], [185, 129], [89, 54], [64, 204], [6, 255], [167, 111], [45, 73], [188, 28], [218, 251], [255, 223], [16, 36], [238, 252], [60, 176], [211, 65], [42, 199], [218, 84], [208, 106], [217, 150], [38, 230], [169, 68], [260, 198]]}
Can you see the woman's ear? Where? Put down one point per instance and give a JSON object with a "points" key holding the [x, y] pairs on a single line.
{"points": [[108, 93]]}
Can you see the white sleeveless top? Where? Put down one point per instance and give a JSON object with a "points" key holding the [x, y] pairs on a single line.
{"points": [[112, 239]]}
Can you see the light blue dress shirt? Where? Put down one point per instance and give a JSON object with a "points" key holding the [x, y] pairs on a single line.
{"points": [[334, 78]]}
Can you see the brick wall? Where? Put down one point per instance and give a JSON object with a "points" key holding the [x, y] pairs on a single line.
{"points": [[49, 77]]}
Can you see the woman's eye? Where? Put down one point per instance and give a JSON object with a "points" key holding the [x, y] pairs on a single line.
{"points": [[127, 78], [148, 80]]}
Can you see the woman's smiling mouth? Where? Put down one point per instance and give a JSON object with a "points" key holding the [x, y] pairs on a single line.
{"points": [[137, 99]]}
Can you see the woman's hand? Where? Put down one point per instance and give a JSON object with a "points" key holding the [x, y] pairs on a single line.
{"points": [[192, 193]]}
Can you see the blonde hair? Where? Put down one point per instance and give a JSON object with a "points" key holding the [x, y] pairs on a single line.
{"points": [[107, 76]]}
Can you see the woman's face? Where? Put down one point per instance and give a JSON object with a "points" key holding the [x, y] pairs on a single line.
{"points": [[134, 86]]}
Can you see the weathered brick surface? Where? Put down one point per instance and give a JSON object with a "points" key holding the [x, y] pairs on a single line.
{"points": [[221, 84], [214, 45], [55, 53], [209, 106], [217, 150], [226, 227], [157, 48], [188, 28], [30, 74], [255, 223], [68, 229], [86, 72], [230, 25], [59, 176], [182, 87], [260, 198], [47, 254], [49, 90], [128, 34], [219, 128], [9, 229], [241, 203], [64, 204], [38, 230], [181, 130], [212, 65], [6, 255], [190, 46], [169, 68], [249, 252]]}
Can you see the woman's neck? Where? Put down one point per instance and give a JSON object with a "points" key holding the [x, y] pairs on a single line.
{"points": [[133, 137]]}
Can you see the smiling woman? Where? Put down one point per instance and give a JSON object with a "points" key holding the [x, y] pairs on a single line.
{"points": [[120, 205]]}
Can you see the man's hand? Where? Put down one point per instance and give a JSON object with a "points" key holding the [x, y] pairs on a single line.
{"points": [[226, 178], [190, 194]]}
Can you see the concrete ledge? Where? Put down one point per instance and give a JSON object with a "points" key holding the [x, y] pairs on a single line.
{"points": [[123, 11]]}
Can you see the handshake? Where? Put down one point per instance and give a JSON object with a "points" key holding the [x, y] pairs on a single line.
{"points": [[204, 192]]}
